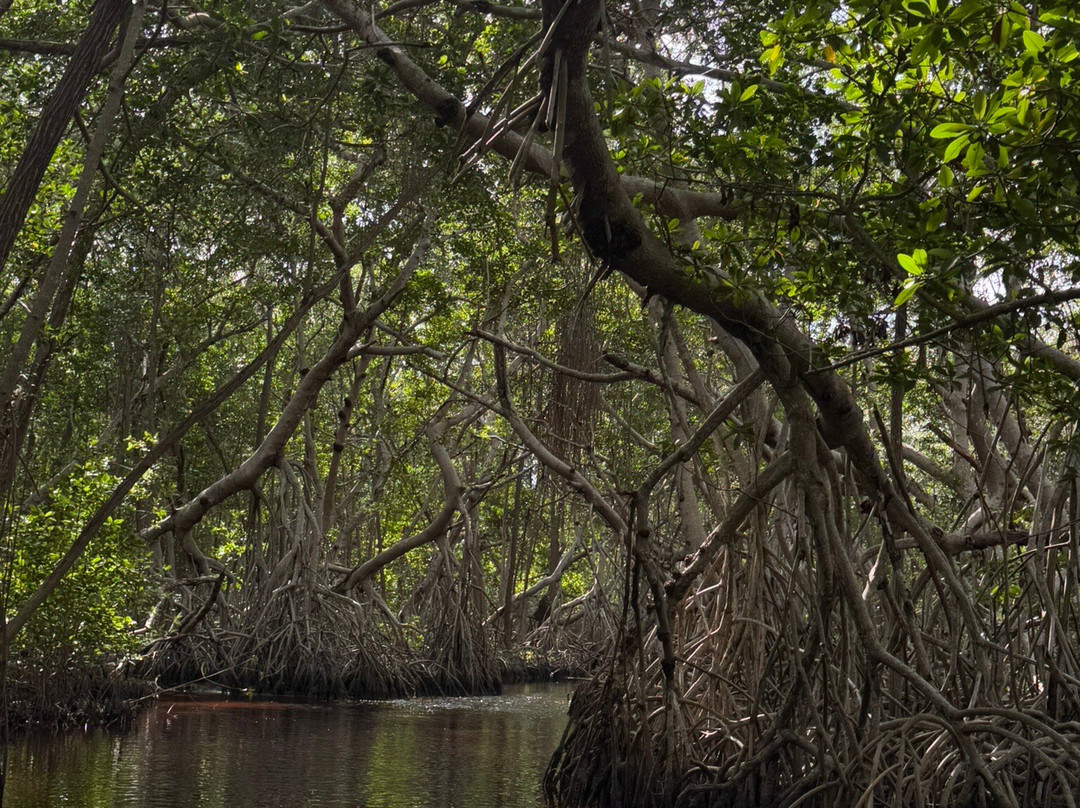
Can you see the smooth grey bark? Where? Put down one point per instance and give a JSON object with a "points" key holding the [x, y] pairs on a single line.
{"points": [[680, 203]]}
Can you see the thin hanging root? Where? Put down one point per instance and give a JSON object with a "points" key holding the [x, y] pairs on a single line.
{"points": [[559, 122], [507, 92], [518, 165], [553, 92], [545, 43], [324, 648], [473, 155], [494, 128]]}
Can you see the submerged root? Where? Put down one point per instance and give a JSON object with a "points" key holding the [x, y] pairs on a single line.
{"points": [[457, 651], [71, 693], [320, 648], [526, 664], [461, 663]]}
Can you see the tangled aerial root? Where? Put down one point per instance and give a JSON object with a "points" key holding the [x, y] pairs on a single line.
{"points": [[68, 694], [325, 649], [799, 673], [614, 753]]}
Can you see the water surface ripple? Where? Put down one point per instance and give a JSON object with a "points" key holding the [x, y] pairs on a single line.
{"points": [[482, 752]]}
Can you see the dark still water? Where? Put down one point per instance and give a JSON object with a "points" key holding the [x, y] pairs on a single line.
{"points": [[484, 752]]}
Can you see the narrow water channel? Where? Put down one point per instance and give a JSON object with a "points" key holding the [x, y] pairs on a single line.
{"points": [[483, 752]]}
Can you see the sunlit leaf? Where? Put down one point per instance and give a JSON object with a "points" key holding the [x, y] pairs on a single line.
{"points": [[909, 264], [944, 131]]}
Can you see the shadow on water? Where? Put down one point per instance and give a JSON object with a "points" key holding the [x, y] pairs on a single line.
{"points": [[482, 752]]}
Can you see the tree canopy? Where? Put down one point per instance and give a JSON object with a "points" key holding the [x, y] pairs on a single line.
{"points": [[727, 352]]}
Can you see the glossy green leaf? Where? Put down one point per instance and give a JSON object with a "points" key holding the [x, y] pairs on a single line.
{"points": [[947, 130], [907, 291], [909, 264], [954, 148]]}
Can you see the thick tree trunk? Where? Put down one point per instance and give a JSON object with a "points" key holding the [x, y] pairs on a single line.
{"points": [[84, 63], [15, 368]]}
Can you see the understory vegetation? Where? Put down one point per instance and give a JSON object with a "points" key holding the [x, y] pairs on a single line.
{"points": [[724, 356]]}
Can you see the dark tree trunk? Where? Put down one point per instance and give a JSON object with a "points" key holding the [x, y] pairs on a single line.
{"points": [[61, 106]]}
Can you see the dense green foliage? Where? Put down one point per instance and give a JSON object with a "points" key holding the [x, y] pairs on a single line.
{"points": [[93, 611], [742, 358]]}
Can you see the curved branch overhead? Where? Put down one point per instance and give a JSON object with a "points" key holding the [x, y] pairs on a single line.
{"points": [[797, 506], [669, 199], [616, 233]]}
